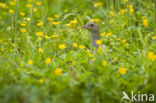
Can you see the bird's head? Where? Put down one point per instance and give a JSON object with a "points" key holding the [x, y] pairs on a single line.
{"points": [[91, 27]]}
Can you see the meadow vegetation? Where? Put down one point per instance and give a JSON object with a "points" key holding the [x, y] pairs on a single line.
{"points": [[45, 55]]}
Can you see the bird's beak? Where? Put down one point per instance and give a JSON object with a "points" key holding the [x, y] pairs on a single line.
{"points": [[85, 26]]}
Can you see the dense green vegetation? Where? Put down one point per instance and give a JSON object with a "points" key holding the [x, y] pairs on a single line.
{"points": [[45, 55]]}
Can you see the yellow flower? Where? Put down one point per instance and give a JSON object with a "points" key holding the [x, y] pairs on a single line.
{"points": [[38, 3], [40, 50], [41, 80], [122, 70], [11, 11], [98, 4], [103, 34], [35, 9], [48, 60], [39, 38], [2, 49], [39, 33], [62, 46], [40, 23], [123, 11], [50, 19], [151, 55], [145, 22], [54, 36], [104, 63], [109, 34], [124, 0], [124, 41], [46, 37], [28, 5], [55, 23], [22, 64], [81, 46], [68, 25], [75, 45], [30, 62], [95, 20], [12, 3], [23, 30], [56, 16], [58, 72], [22, 13], [23, 24], [99, 42], [154, 37], [99, 49], [111, 13]]}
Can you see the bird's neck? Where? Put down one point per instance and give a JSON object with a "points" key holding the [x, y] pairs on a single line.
{"points": [[94, 37]]}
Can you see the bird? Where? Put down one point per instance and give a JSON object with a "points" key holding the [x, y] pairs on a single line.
{"points": [[95, 33]]}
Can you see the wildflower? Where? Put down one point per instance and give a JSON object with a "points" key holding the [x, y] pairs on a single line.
{"points": [[41, 80], [23, 24], [98, 4], [125, 0], [122, 70], [131, 10], [54, 36], [50, 19], [111, 13], [38, 3], [95, 20], [28, 5], [154, 37], [103, 34], [39, 33], [39, 38], [23, 30], [22, 64], [99, 42], [109, 34], [11, 11], [151, 55], [68, 25], [111, 21], [46, 37], [58, 72], [30, 62], [62, 46], [48, 60], [145, 22], [2, 49], [124, 41], [40, 23], [40, 50], [12, 3], [75, 45], [104, 63], [81, 46], [56, 16], [55, 23], [35, 10], [123, 11], [22, 13]]}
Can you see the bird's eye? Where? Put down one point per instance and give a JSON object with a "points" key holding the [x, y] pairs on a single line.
{"points": [[91, 25]]}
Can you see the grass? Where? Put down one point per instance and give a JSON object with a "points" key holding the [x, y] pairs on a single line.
{"points": [[45, 54]]}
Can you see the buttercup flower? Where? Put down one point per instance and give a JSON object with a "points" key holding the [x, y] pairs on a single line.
{"points": [[58, 72], [122, 70]]}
